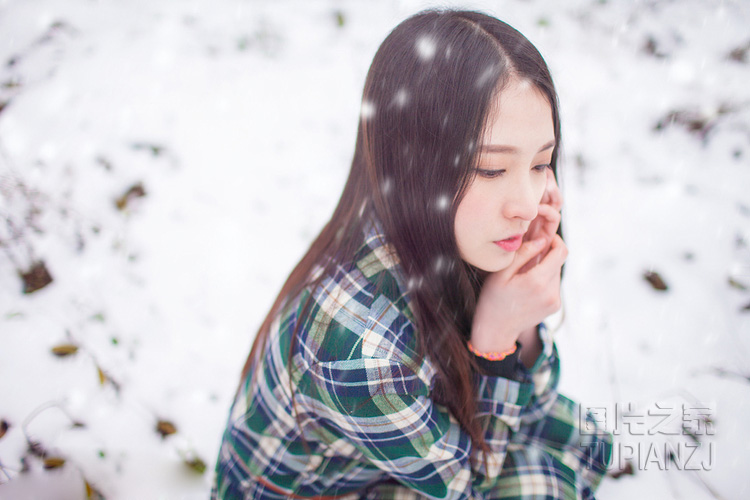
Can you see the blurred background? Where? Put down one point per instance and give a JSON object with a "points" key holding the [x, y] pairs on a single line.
{"points": [[164, 164]]}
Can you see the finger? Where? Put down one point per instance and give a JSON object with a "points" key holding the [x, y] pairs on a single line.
{"points": [[553, 195], [548, 212], [550, 264], [558, 252], [549, 221], [544, 224], [531, 263], [535, 231], [542, 228], [528, 250], [534, 261]]}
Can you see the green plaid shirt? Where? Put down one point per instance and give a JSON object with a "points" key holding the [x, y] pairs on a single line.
{"points": [[364, 424]]}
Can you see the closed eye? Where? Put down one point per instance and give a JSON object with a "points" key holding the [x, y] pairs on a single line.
{"points": [[490, 174], [542, 168]]}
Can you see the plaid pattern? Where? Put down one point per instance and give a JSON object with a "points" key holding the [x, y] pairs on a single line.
{"points": [[364, 424]]}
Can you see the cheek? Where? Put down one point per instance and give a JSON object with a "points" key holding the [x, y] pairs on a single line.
{"points": [[472, 208], [468, 220], [540, 188], [461, 226]]}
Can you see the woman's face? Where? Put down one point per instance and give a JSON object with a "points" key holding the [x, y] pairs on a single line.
{"points": [[503, 196]]}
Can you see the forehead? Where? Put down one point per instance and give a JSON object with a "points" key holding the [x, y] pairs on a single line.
{"points": [[521, 117]]}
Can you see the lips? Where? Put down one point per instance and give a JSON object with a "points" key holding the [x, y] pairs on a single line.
{"points": [[510, 244]]}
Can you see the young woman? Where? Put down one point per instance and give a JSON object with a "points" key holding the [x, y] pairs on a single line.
{"points": [[405, 357]]}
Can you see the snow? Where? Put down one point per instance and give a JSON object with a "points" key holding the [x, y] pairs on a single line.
{"points": [[401, 98], [368, 110], [239, 118], [426, 48], [443, 202]]}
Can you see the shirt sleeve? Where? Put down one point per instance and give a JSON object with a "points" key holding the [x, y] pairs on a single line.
{"points": [[383, 408]]}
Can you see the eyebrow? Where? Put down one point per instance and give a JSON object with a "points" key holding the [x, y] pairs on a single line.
{"points": [[499, 148]]}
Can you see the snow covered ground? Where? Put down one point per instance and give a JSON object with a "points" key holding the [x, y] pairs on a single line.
{"points": [[231, 125]]}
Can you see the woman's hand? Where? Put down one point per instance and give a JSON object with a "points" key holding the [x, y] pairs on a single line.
{"points": [[516, 299], [512, 302], [546, 223]]}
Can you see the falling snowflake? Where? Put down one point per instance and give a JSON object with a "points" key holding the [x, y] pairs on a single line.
{"points": [[386, 186], [439, 263], [401, 98], [443, 202], [367, 110], [415, 283], [487, 76], [426, 48]]}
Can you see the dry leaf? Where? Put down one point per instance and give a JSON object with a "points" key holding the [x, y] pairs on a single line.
{"points": [[651, 47], [135, 191], [340, 18], [193, 461], [104, 162], [165, 428], [36, 278], [12, 83], [196, 464], [98, 317], [105, 378], [92, 493], [625, 471], [739, 54], [36, 449], [690, 433], [655, 280], [736, 284], [698, 122], [154, 149], [53, 462], [4, 426], [63, 350]]}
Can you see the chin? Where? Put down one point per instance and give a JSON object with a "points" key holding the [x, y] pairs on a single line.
{"points": [[492, 265], [493, 269]]}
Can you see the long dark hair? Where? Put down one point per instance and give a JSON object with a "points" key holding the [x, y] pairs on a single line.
{"points": [[427, 98]]}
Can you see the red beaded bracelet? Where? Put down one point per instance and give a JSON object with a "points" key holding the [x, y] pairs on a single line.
{"points": [[492, 356]]}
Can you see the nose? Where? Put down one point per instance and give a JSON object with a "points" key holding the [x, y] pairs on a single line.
{"points": [[521, 202]]}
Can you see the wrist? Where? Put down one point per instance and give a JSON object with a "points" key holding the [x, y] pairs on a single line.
{"points": [[492, 355], [487, 337]]}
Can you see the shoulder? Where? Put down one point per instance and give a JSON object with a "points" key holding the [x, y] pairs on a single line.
{"points": [[360, 311]]}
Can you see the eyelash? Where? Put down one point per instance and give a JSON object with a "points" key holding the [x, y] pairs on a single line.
{"points": [[491, 174]]}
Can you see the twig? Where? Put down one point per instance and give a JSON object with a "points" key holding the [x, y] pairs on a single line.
{"points": [[46, 406], [4, 471], [708, 487]]}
